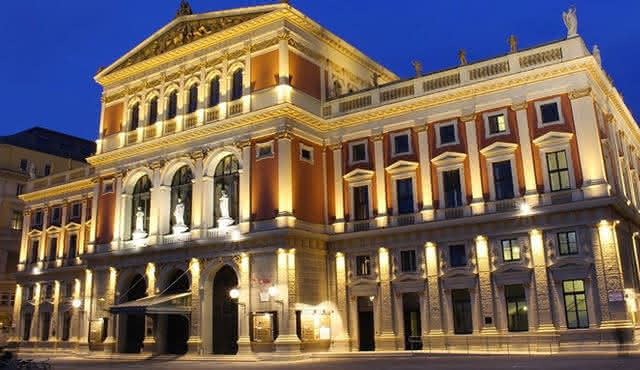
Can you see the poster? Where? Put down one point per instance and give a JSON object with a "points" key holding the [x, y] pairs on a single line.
{"points": [[263, 327]]}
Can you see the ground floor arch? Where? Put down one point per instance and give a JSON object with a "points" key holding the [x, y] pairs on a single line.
{"points": [[131, 325], [220, 311]]}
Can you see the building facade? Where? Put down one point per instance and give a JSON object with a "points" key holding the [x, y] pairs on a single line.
{"points": [[260, 185], [29, 154]]}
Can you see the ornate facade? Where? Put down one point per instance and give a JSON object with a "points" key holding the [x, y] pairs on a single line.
{"points": [[260, 185]]}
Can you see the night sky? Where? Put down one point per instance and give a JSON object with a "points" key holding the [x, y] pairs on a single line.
{"points": [[51, 49]]}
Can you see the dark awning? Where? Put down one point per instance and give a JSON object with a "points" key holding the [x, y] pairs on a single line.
{"points": [[157, 304]]}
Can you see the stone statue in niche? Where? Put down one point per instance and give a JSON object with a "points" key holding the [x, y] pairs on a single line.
{"points": [[139, 232], [571, 22], [178, 215], [224, 219], [32, 171]]}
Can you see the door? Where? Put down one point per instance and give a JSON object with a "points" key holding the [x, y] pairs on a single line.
{"points": [[366, 331], [225, 313], [412, 324], [461, 300]]}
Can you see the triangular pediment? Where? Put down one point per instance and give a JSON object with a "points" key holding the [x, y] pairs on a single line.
{"points": [[53, 229], [498, 148], [358, 174], [402, 166], [552, 138], [182, 31], [448, 158]]}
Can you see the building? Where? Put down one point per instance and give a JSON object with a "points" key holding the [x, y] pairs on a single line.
{"points": [[261, 185], [36, 152]]}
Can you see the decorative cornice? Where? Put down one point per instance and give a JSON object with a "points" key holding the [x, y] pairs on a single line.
{"points": [[608, 118], [580, 93], [64, 189], [241, 144], [337, 146], [156, 165], [377, 137], [199, 154], [418, 129], [519, 106]]}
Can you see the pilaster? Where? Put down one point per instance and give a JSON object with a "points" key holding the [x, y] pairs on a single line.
{"points": [[338, 187], [477, 203], [245, 186], [285, 181], [386, 341], [487, 318], [541, 280], [287, 340], [244, 300], [194, 343], [199, 206], [381, 191], [428, 213], [531, 190], [118, 226], [341, 340], [110, 299]]}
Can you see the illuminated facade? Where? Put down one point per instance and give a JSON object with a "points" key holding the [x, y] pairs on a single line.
{"points": [[260, 186]]}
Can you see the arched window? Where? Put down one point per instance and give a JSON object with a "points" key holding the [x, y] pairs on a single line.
{"points": [[226, 182], [141, 198], [135, 116], [177, 283], [214, 92], [172, 110], [193, 98], [181, 187], [153, 110], [236, 91]]}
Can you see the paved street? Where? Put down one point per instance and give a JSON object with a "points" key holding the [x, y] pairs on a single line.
{"points": [[397, 362]]}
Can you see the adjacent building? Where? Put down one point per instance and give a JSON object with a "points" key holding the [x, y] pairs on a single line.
{"points": [[30, 154], [261, 185]]}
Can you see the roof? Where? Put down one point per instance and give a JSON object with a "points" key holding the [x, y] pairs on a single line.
{"points": [[51, 142]]}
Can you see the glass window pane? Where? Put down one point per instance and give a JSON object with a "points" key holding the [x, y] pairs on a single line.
{"points": [[567, 286], [562, 159], [564, 180], [555, 181], [578, 285], [552, 161], [515, 252]]}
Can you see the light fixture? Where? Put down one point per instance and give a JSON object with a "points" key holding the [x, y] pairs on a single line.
{"points": [[273, 291], [371, 298], [525, 208], [234, 293], [36, 270], [76, 303]]}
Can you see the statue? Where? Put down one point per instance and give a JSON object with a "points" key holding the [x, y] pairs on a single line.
{"points": [[418, 67], [185, 9], [513, 44], [462, 55], [571, 22], [178, 214], [139, 232], [224, 219], [374, 77], [32, 171], [596, 54]]}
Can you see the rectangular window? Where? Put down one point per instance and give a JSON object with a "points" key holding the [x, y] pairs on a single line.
{"points": [[19, 189], [37, 219], [452, 189], [510, 250], [4, 299], [56, 216], [48, 291], [358, 152], [53, 249], [68, 289], [447, 134], [153, 111], [306, 153], [401, 144], [462, 314], [264, 150], [549, 112], [47, 170], [408, 261], [405, 196], [516, 308], [567, 243], [363, 265], [457, 255], [16, 220], [35, 245], [361, 203], [24, 164], [73, 245], [76, 211], [26, 334], [497, 124], [107, 187], [558, 171], [503, 180], [575, 304]]}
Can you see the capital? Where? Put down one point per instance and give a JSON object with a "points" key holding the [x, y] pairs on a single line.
{"points": [[580, 93], [519, 106], [468, 117]]}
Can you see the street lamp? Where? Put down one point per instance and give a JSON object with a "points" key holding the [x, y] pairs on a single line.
{"points": [[76, 303], [234, 293]]}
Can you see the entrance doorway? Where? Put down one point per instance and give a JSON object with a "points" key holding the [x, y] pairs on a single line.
{"points": [[225, 313], [462, 314], [133, 323], [177, 334], [412, 325], [365, 324]]}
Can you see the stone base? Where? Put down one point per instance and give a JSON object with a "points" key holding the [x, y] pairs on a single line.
{"points": [[386, 342], [139, 235], [179, 229], [287, 343], [225, 222], [149, 345], [244, 346], [340, 345], [194, 345]]}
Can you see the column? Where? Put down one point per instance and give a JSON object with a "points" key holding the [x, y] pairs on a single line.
{"points": [[541, 281], [340, 340], [425, 173], [381, 191], [53, 328], [42, 247], [157, 209], [16, 330], [245, 186], [338, 226], [118, 226], [34, 336], [199, 207], [285, 186], [83, 341], [244, 340], [24, 242], [110, 300], [477, 203], [246, 79], [149, 342], [194, 342], [283, 57], [487, 318], [589, 149], [83, 227], [435, 338], [531, 189], [387, 338], [94, 215], [287, 340], [75, 316]]}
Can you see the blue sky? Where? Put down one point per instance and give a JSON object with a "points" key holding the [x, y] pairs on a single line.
{"points": [[52, 49]]}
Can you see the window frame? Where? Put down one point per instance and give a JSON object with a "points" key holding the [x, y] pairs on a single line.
{"points": [[172, 108], [493, 181], [237, 95], [517, 300], [303, 147], [538, 105], [134, 116], [569, 252], [153, 113], [364, 142], [394, 149], [396, 194], [359, 271], [511, 248], [266, 144], [487, 124], [413, 263], [462, 247], [558, 170], [17, 220], [441, 173], [352, 194], [192, 105], [107, 187], [24, 168], [439, 126], [575, 294]]}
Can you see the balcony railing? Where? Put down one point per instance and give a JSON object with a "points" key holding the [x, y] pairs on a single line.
{"points": [[190, 121], [213, 114], [59, 179], [235, 108]]}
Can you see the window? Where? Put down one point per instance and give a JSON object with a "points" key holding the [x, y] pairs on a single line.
{"points": [[24, 164], [306, 153], [337, 88], [48, 291], [503, 180], [73, 246], [37, 219], [462, 314], [405, 196], [361, 203], [153, 111], [447, 134], [16, 220], [516, 308], [35, 245], [549, 113], [47, 169], [141, 201], [26, 334], [401, 144], [236, 92], [510, 250], [358, 152], [66, 326], [19, 189], [173, 105], [363, 265], [53, 249], [4, 299], [68, 289], [408, 261], [452, 189], [45, 324], [214, 92], [558, 171], [193, 99], [56, 216], [107, 187], [497, 124], [181, 187], [226, 182], [76, 211], [567, 243], [457, 255], [264, 150], [135, 116], [575, 304], [29, 293]]}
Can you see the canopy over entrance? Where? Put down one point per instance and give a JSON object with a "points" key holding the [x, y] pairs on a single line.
{"points": [[157, 304]]}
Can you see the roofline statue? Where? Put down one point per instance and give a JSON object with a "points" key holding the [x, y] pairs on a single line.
{"points": [[571, 22], [185, 9]]}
